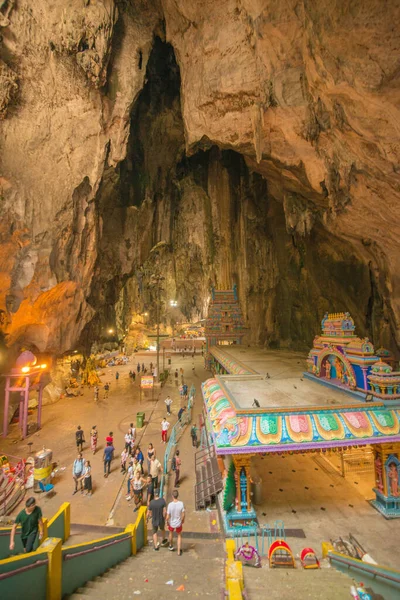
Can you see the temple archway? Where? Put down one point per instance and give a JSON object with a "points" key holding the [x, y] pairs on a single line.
{"points": [[333, 365]]}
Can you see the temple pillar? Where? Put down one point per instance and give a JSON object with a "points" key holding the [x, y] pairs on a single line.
{"points": [[387, 476], [364, 372], [40, 400], [243, 516], [26, 403], [6, 405]]}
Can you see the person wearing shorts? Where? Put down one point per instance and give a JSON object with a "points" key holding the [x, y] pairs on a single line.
{"points": [[175, 520], [30, 519], [157, 513]]}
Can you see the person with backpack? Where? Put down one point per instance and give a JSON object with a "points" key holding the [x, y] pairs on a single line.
{"points": [[80, 438], [106, 390], [77, 472]]}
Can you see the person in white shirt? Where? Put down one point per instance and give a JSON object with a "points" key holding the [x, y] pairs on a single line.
{"points": [[164, 430], [175, 520], [168, 402]]}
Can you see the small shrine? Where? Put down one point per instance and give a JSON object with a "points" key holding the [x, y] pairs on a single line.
{"points": [[384, 382], [224, 323], [340, 358], [387, 471]]}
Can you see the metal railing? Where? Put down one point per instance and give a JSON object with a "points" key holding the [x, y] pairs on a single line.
{"points": [[34, 565], [260, 537], [14, 481], [72, 555], [175, 436]]}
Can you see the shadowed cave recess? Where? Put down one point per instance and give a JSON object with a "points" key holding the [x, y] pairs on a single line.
{"points": [[206, 219]]}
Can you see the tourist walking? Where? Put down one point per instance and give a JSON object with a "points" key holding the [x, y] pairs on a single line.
{"points": [[96, 393], [150, 452], [150, 489], [180, 413], [117, 375], [155, 470], [87, 479], [80, 438], [140, 458], [132, 432], [128, 443], [185, 390], [93, 439], [138, 368], [137, 486], [193, 435], [124, 458], [30, 519], [178, 463], [106, 390], [143, 368], [168, 402], [164, 430], [157, 513], [175, 520], [77, 472], [130, 479], [133, 376], [107, 456]]}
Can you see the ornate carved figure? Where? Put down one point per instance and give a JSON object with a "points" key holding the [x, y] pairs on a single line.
{"points": [[378, 473], [394, 479], [328, 367], [339, 369]]}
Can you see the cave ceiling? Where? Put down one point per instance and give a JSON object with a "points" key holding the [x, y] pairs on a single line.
{"points": [[242, 141]]}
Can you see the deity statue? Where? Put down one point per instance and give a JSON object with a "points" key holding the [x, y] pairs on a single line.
{"points": [[328, 367], [378, 473], [339, 369], [248, 553], [394, 480]]}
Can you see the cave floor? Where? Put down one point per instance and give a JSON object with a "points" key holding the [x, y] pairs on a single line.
{"points": [[305, 492], [107, 505]]}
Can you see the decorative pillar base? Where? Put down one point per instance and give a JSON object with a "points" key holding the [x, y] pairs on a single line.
{"points": [[389, 507], [243, 522]]}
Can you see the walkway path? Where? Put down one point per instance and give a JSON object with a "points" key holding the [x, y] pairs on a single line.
{"points": [[60, 420]]}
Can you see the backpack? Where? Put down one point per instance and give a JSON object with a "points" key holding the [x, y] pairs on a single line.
{"points": [[79, 435], [173, 464]]}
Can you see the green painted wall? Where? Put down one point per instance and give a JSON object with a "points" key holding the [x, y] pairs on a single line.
{"points": [[27, 585], [76, 572], [56, 529]]}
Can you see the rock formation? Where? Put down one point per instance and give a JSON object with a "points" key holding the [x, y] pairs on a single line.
{"points": [[247, 141]]}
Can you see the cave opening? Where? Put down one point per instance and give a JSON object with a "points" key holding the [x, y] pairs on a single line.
{"points": [[214, 222]]}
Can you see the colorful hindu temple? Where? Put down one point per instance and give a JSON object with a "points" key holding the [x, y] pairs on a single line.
{"points": [[245, 416], [224, 323], [340, 358]]}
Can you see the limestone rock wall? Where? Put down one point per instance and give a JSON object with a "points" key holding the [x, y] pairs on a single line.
{"points": [[274, 164]]}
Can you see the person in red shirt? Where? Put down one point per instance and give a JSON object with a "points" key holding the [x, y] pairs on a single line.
{"points": [[110, 439]]}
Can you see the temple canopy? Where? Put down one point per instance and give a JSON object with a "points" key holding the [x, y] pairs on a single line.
{"points": [[236, 427]]}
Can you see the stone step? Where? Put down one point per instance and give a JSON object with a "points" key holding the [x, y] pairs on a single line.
{"points": [[189, 570]]}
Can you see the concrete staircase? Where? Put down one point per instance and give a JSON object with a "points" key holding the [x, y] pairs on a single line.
{"points": [[296, 584], [208, 478], [200, 570]]}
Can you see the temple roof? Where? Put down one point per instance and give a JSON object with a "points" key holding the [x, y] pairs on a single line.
{"points": [[260, 430], [230, 364]]}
